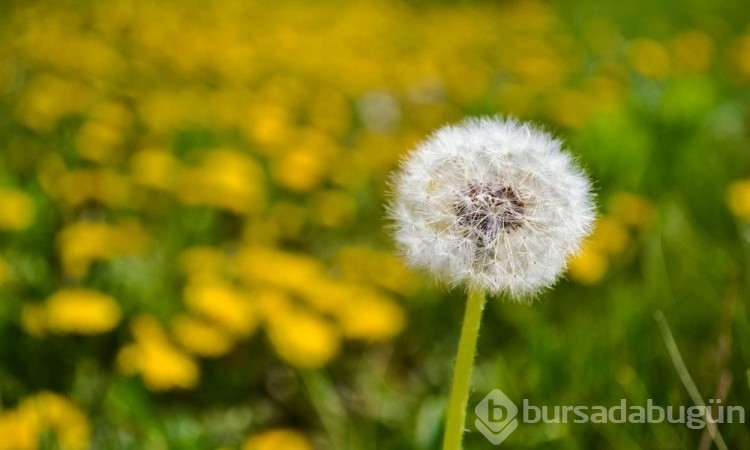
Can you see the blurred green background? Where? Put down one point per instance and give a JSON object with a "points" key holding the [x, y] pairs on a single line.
{"points": [[192, 248]]}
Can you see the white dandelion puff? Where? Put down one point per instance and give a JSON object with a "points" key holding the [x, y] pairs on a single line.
{"points": [[491, 203]]}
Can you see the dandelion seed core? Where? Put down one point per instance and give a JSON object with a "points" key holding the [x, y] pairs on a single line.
{"points": [[486, 210]]}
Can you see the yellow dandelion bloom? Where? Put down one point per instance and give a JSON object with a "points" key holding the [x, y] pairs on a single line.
{"points": [[21, 428], [278, 439], [154, 168], [203, 263], [224, 179], [268, 266], [300, 170], [741, 55], [332, 208], [223, 304], [738, 199], [289, 218], [106, 186], [302, 339], [366, 265], [650, 58], [610, 236], [371, 318], [631, 209], [200, 337], [34, 319], [81, 311], [99, 142], [692, 51], [571, 108], [162, 366], [17, 210], [588, 267], [82, 243]]}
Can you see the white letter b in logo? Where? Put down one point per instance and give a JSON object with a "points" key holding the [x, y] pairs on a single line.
{"points": [[496, 416]]}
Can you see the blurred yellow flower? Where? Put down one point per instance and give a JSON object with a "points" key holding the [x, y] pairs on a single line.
{"points": [[21, 428], [362, 264], [200, 337], [268, 266], [588, 267], [609, 236], [302, 339], [278, 439], [741, 53], [370, 318], [631, 209], [650, 58], [82, 243], [34, 319], [224, 179], [203, 263], [571, 108], [692, 51], [154, 168], [301, 169], [289, 218], [81, 311], [17, 210], [224, 305], [331, 208], [162, 366], [48, 99], [738, 198]]}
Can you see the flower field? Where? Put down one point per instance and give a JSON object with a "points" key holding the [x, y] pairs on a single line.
{"points": [[194, 254]]}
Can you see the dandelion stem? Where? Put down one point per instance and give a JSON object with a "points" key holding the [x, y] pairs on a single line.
{"points": [[454, 426]]}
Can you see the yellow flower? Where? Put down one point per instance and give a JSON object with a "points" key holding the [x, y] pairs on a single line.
{"points": [[34, 319], [632, 210], [588, 267], [21, 428], [302, 339], [267, 266], [571, 108], [650, 58], [224, 305], [741, 53], [225, 179], [162, 366], [154, 168], [76, 187], [371, 318], [692, 51], [202, 263], [332, 208], [82, 243], [81, 311], [278, 439], [366, 265], [16, 210], [300, 170], [200, 337], [738, 198], [609, 237]]}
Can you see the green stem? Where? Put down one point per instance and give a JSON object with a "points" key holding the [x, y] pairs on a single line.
{"points": [[467, 344]]}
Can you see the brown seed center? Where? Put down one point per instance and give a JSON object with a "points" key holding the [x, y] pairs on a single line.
{"points": [[485, 210]]}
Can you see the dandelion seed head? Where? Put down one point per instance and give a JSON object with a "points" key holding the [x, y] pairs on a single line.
{"points": [[492, 203]]}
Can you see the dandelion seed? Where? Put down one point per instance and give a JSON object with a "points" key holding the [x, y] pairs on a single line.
{"points": [[492, 203]]}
